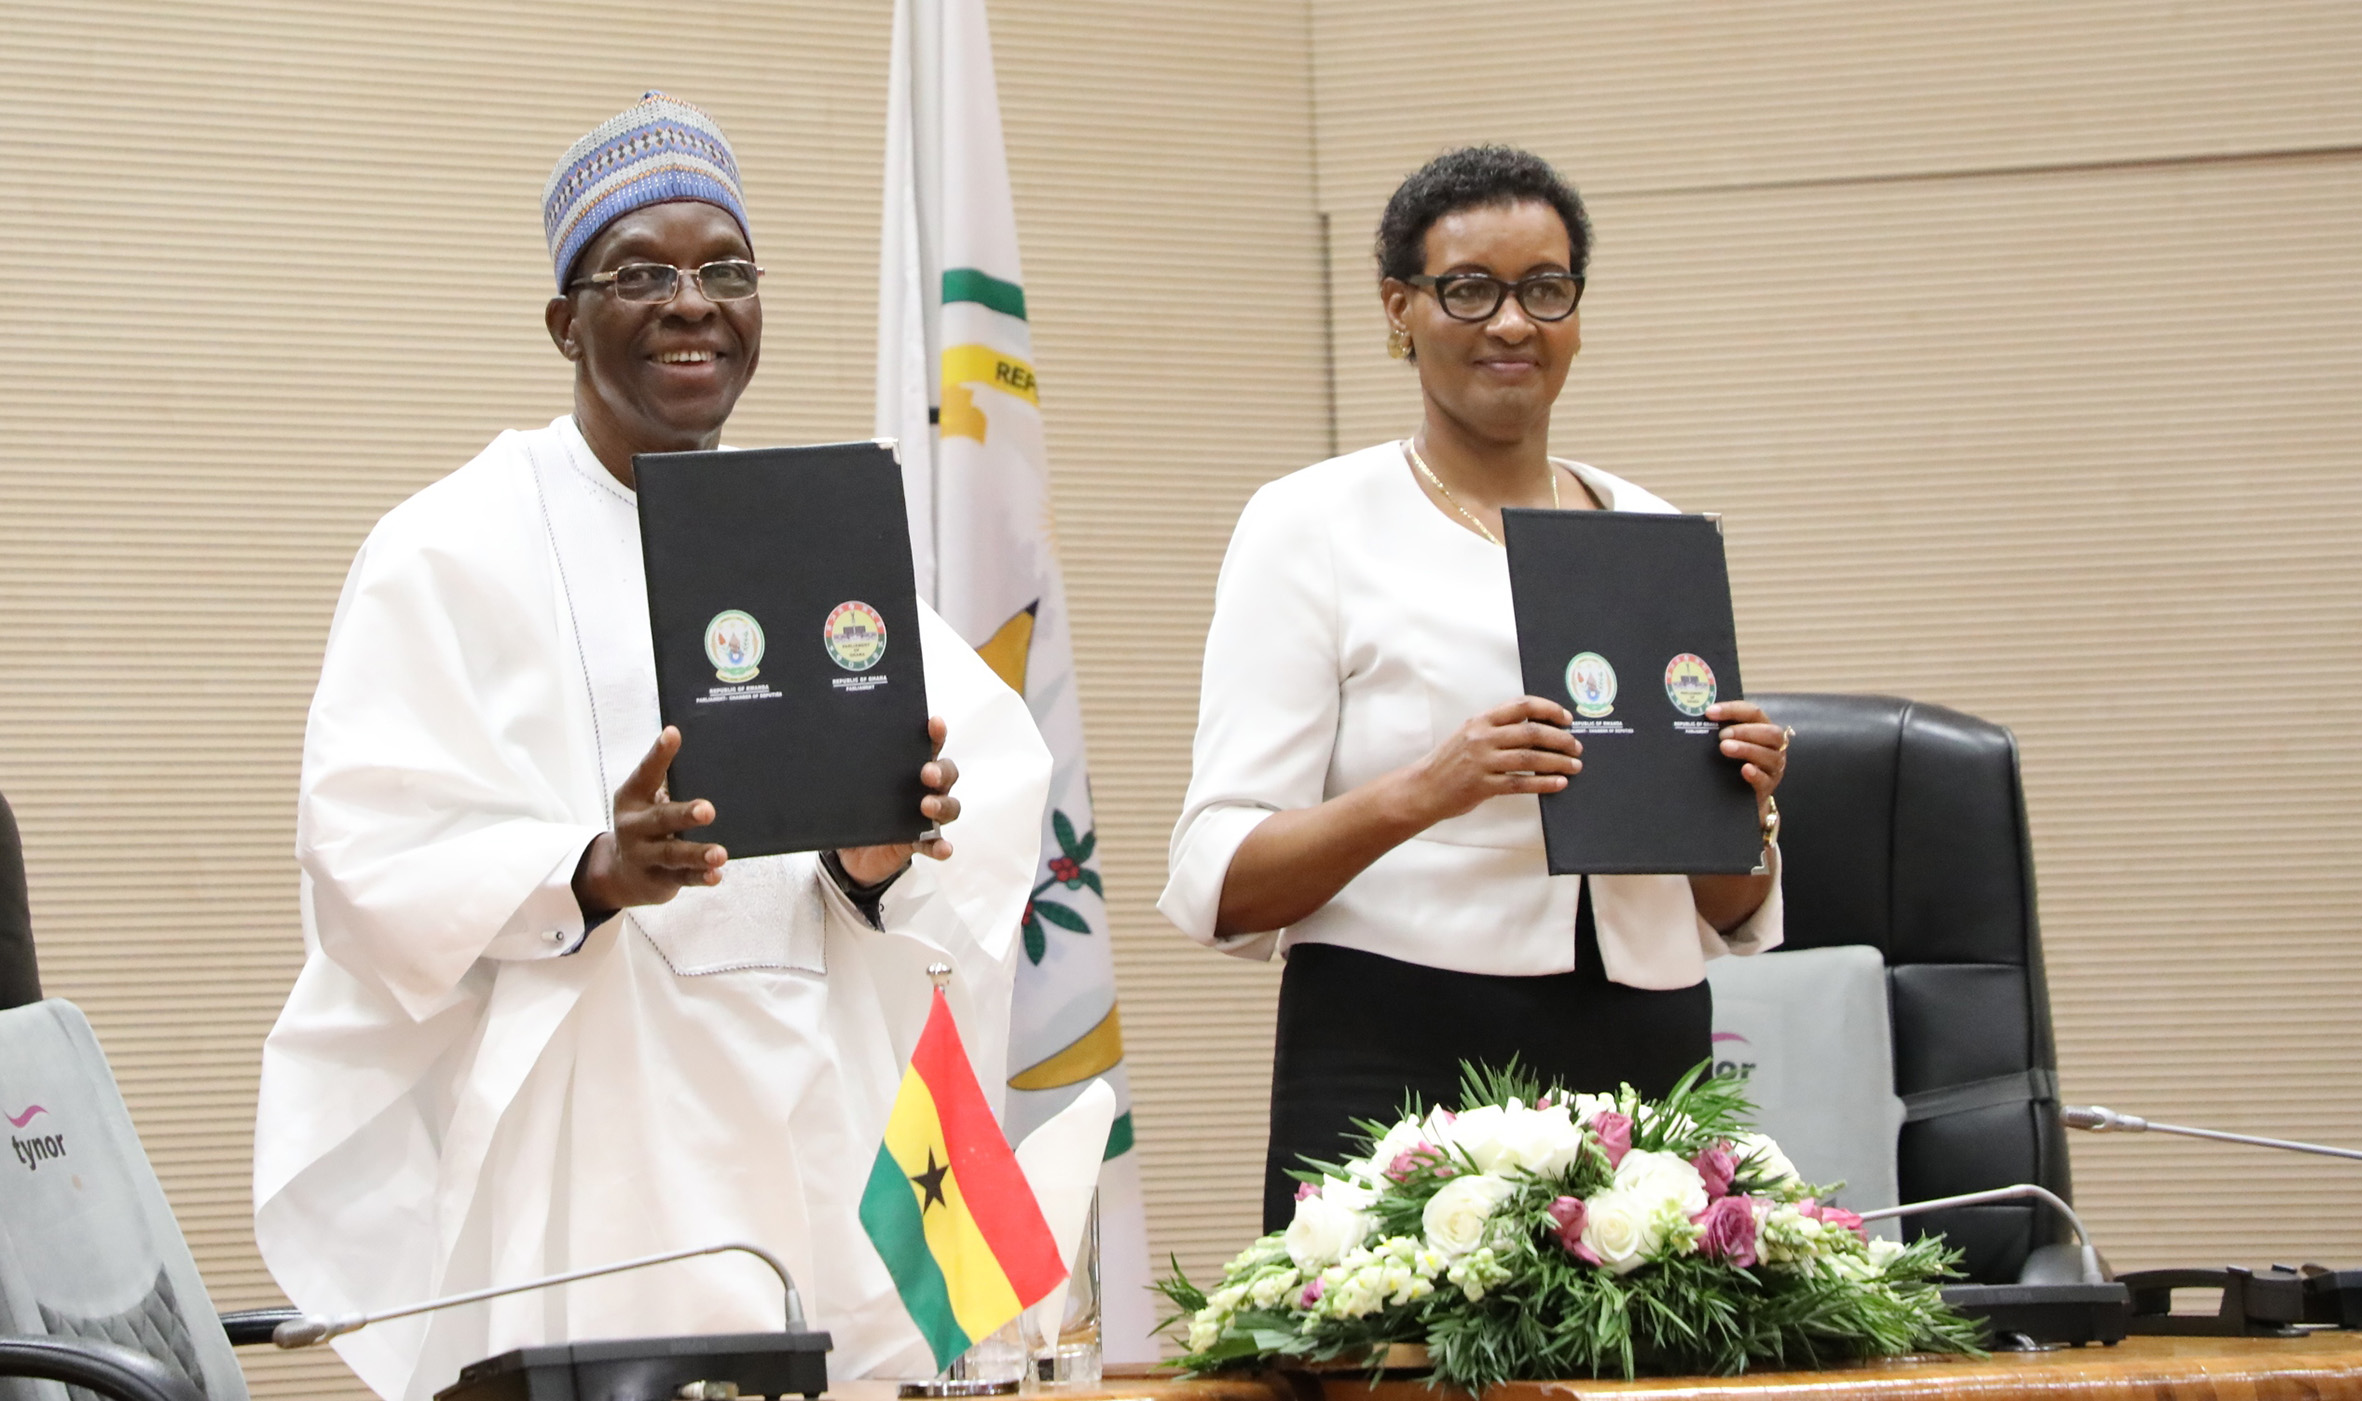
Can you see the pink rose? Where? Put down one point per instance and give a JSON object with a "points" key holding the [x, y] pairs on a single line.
{"points": [[1729, 1234], [1306, 1189], [1568, 1216], [1311, 1294], [1840, 1217], [1718, 1165], [1614, 1132], [1411, 1159]]}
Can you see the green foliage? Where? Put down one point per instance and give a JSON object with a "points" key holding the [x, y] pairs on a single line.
{"points": [[1687, 1315]]}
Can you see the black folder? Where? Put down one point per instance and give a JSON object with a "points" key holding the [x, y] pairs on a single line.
{"points": [[786, 622], [1625, 619]]}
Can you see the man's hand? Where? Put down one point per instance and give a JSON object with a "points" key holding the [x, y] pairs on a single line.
{"points": [[644, 861], [867, 865]]}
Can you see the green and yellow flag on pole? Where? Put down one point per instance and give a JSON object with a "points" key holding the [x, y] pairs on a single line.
{"points": [[959, 386], [948, 1207]]}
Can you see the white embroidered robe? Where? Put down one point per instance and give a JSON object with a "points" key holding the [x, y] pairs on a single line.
{"points": [[451, 1100]]}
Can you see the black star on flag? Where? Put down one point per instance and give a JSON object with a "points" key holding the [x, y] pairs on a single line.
{"points": [[931, 1183]]}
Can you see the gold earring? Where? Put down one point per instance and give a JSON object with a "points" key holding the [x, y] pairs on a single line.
{"points": [[1398, 343]]}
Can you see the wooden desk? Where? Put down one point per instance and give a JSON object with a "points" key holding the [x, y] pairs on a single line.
{"points": [[2322, 1367]]}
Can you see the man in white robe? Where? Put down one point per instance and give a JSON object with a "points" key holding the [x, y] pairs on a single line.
{"points": [[539, 1027]]}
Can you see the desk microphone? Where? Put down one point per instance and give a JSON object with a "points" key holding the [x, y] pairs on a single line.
{"points": [[314, 1328], [2100, 1119]]}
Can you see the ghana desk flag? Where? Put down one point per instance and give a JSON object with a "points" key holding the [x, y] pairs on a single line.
{"points": [[957, 387], [948, 1207]]}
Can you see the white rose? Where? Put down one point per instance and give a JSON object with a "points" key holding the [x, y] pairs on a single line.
{"points": [[1323, 1231], [1620, 1229], [1353, 1196], [1658, 1178], [1544, 1142], [1589, 1107], [1477, 1133], [1762, 1159], [1456, 1215]]}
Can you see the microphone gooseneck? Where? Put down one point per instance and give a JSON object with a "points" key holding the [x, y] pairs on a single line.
{"points": [[2099, 1118], [2092, 1272], [320, 1327]]}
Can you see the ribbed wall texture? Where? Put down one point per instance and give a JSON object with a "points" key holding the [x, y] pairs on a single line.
{"points": [[283, 266], [1162, 157], [2017, 343]]}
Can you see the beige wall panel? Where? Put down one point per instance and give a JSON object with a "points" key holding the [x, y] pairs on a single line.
{"points": [[2074, 452], [1162, 159], [1697, 93], [298, 275]]}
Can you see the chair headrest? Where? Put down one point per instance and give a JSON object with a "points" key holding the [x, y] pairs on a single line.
{"points": [[1904, 829]]}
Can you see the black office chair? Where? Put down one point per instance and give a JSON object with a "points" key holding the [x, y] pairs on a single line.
{"points": [[1905, 829], [20, 978], [128, 1358]]}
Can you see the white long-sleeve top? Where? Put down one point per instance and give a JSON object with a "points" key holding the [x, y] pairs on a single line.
{"points": [[1355, 628]]}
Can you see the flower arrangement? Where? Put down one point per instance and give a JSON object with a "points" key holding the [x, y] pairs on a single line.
{"points": [[1536, 1235]]}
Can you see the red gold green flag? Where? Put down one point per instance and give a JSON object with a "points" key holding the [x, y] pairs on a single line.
{"points": [[947, 1206]]}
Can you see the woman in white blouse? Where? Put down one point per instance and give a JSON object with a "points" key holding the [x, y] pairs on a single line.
{"points": [[1362, 794]]}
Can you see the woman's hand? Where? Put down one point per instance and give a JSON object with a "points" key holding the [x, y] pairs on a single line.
{"points": [[1761, 747], [1519, 747], [1294, 862], [868, 865], [644, 861]]}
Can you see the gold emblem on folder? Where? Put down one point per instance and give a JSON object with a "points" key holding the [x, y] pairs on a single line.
{"points": [[855, 635], [1689, 684]]}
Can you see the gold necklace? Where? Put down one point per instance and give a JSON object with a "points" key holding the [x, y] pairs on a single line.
{"points": [[1446, 492]]}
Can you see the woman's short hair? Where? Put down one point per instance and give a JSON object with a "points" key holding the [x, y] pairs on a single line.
{"points": [[1474, 177]]}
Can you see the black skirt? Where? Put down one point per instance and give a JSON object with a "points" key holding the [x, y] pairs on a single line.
{"points": [[1359, 1033]]}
